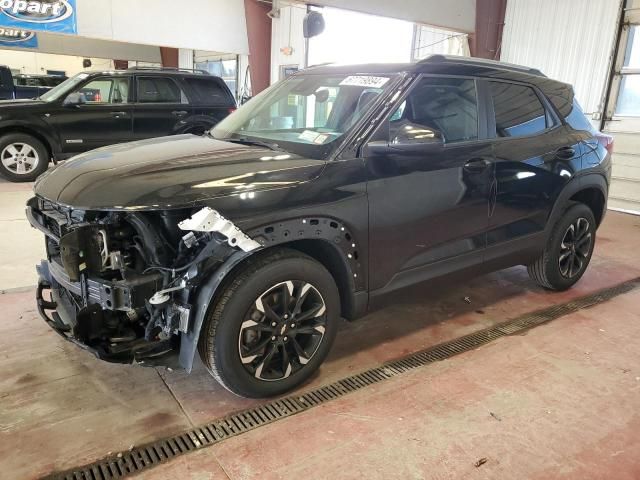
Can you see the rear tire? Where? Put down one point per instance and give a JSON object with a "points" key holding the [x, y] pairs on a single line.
{"points": [[22, 157], [568, 250], [272, 325]]}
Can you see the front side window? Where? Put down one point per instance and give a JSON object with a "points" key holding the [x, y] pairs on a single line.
{"points": [[62, 89], [112, 90], [306, 114], [159, 90], [518, 110], [437, 110]]}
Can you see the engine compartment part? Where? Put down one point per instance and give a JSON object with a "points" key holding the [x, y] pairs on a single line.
{"points": [[209, 220], [121, 283]]}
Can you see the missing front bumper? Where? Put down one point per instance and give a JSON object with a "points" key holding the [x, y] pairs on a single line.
{"points": [[76, 324]]}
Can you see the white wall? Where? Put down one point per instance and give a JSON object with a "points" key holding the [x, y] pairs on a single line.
{"points": [[39, 63], [569, 40], [214, 25]]}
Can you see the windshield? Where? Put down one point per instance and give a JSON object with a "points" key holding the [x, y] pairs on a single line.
{"points": [[65, 87], [305, 114]]}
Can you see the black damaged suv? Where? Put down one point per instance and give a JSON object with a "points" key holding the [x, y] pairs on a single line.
{"points": [[95, 109], [319, 196]]}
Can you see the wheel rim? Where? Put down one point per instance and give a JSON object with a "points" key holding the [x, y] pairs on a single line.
{"points": [[282, 331], [575, 248], [19, 158]]}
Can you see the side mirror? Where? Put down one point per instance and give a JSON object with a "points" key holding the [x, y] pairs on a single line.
{"points": [[410, 134], [74, 99]]}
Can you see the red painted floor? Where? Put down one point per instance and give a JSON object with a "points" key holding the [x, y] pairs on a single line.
{"points": [[562, 402], [62, 407]]}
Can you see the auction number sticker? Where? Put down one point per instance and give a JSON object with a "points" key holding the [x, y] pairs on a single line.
{"points": [[364, 81]]}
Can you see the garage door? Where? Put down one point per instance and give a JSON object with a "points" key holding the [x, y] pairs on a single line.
{"points": [[624, 112]]}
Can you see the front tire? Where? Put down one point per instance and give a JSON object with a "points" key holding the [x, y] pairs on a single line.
{"points": [[272, 326], [22, 157], [568, 250]]}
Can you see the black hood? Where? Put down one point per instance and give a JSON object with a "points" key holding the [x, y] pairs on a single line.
{"points": [[170, 172], [21, 104]]}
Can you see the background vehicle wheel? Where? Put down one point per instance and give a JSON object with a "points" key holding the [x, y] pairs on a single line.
{"points": [[22, 157], [272, 326], [568, 251]]}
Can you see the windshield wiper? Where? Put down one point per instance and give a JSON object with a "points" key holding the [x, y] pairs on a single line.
{"points": [[250, 141]]}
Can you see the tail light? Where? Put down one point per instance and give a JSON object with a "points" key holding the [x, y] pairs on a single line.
{"points": [[232, 109], [606, 141]]}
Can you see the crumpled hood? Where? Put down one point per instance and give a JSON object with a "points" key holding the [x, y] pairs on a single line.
{"points": [[170, 172]]}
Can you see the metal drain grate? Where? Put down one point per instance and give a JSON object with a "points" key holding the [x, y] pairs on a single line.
{"points": [[144, 457]]}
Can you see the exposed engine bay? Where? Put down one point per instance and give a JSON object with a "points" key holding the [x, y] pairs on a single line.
{"points": [[121, 282]]}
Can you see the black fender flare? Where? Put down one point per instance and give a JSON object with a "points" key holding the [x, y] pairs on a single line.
{"points": [[575, 185], [328, 230]]}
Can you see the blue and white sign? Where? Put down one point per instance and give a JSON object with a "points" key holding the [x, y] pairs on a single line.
{"points": [[55, 16], [16, 37]]}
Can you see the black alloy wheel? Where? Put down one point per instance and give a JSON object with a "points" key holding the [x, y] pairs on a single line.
{"points": [[272, 324], [282, 330], [568, 251], [575, 248]]}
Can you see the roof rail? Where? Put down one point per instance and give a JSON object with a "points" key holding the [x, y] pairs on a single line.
{"points": [[480, 62], [170, 69]]}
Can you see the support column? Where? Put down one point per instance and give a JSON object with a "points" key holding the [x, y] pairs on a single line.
{"points": [[259, 36], [487, 39], [169, 57]]}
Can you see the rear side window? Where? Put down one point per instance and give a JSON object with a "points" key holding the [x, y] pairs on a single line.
{"points": [[577, 120], [518, 110], [159, 90], [209, 91]]}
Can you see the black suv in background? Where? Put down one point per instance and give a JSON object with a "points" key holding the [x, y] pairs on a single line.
{"points": [[96, 109], [320, 196]]}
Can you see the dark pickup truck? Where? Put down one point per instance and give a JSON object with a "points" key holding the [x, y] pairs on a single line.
{"points": [[96, 109], [25, 86]]}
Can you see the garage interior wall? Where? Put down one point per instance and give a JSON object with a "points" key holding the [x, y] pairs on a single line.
{"points": [[65, 52], [35, 63], [569, 40], [287, 42], [216, 25]]}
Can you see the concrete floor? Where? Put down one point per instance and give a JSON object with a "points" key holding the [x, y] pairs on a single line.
{"points": [[565, 396]]}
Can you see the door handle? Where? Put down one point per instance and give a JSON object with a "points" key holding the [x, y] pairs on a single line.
{"points": [[118, 114], [476, 164], [565, 153], [179, 113]]}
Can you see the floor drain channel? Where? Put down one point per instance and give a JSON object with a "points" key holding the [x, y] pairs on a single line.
{"points": [[144, 457]]}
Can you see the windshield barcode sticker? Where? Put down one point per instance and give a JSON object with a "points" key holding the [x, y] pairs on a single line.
{"points": [[364, 81]]}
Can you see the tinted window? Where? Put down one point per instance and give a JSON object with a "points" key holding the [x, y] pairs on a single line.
{"points": [[518, 110], [437, 108], [209, 91], [159, 90], [106, 90], [577, 120]]}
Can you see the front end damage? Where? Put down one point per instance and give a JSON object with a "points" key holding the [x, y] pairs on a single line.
{"points": [[122, 284]]}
